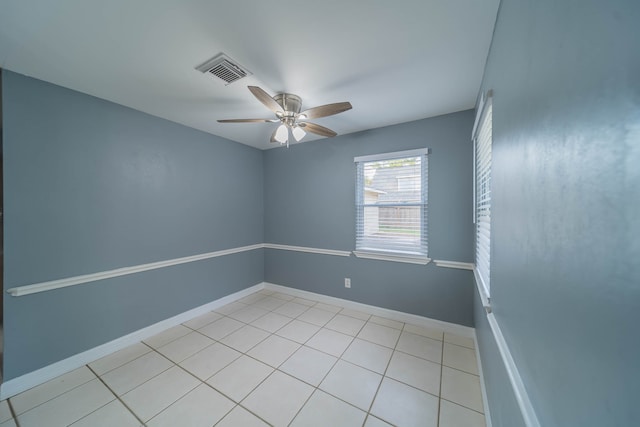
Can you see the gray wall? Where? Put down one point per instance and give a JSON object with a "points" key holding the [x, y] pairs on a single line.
{"points": [[91, 186], [310, 201], [566, 206]]}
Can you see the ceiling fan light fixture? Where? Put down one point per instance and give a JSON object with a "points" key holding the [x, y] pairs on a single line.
{"points": [[282, 134], [298, 133]]}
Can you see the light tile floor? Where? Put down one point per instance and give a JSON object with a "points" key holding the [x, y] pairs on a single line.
{"points": [[269, 359]]}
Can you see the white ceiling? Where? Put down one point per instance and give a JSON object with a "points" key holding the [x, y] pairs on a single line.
{"points": [[395, 61]]}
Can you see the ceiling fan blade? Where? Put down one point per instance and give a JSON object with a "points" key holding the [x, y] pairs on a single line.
{"points": [[326, 110], [273, 136], [317, 129], [248, 121], [267, 100]]}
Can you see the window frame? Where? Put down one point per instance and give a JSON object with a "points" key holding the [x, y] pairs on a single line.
{"points": [[415, 257], [482, 245]]}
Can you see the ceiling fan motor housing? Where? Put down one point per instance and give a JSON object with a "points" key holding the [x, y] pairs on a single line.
{"points": [[292, 104]]}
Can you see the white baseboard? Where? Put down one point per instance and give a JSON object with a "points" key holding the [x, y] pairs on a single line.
{"points": [[483, 388], [453, 328], [32, 379], [520, 391]]}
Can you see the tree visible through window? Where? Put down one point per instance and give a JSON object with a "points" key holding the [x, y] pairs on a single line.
{"points": [[391, 202]]}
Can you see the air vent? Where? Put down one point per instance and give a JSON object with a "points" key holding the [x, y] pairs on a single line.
{"points": [[224, 68]]}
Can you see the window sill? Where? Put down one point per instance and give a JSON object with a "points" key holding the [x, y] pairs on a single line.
{"points": [[386, 256], [455, 264]]}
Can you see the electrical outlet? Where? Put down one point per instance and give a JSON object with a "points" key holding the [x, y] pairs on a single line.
{"points": [[347, 282]]}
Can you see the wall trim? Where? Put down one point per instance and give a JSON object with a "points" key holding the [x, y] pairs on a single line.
{"points": [[483, 388], [453, 328], [86, 278], [454, 264], [307, 249], [24, 382], [520, 391], [482, 290], [33, 288]]}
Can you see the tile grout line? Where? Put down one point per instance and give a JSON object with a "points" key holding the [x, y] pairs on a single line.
{"points": [[212, 387], [462, 346], [198, 379], [181, 397], [277, 368], [465, 407], [442, 366], [440, 388], [202, 349], [48, 400], [95, 410], [192, 375], [196, 330], [418, 357], [152, 350], [117, 398], [249, 411], [301, 345], [238, 404], [271, 312], [204, 382], [303, 405], [316, 388], [324, 377], [168, 342], [459, 370], [248, 394], [14, 417], [120, 366], [384, 375]]}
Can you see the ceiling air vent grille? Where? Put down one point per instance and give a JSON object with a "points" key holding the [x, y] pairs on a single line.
{"points": [[224, 68]]}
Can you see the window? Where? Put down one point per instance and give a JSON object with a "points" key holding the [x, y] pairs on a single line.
{"points": [[391, 206], [408, 183], [482, 139]]}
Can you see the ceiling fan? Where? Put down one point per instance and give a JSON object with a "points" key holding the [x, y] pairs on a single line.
{"points": [[286, 107]]}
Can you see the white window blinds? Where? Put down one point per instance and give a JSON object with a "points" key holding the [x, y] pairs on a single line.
{"points": [[391, 203], [483, 142]]}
